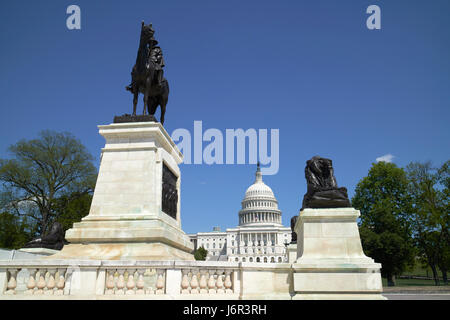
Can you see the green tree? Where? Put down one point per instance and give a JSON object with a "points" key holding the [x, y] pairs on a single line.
{"points": [[444, 260], [200, 253], [429, 218], [41, 171], [384, 202], [73, 208], [14, 232], [444, 180]]}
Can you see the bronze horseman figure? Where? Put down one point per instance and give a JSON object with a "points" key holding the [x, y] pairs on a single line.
{"points": [[147, 76]]}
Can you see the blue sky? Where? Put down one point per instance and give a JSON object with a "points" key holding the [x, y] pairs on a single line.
{"points": [[311, 69]]}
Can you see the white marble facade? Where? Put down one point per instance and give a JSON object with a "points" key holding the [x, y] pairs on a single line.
{"points": [[260, 235]]}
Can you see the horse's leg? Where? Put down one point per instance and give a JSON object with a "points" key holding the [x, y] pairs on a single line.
{"points": [[135, 99], [164, 97], [152, 106], [148, 83], [163, 110], [145, 103], [144, 111]]}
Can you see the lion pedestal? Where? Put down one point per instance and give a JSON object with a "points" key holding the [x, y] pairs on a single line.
{"points": [[330, 260], [135, 211]]}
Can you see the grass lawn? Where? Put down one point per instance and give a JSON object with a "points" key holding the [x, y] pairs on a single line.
{"points": [[418, 270], [421, 271], [410, 282]]}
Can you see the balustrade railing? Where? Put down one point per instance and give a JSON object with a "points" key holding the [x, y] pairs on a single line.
{"points": [[135, 281], [114, 278], [207, 281], [37, 280]]}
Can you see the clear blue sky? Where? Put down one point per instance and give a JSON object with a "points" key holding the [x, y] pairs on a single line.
{"points": [[311, 69]]}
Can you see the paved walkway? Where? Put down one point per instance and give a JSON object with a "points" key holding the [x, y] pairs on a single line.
{"points": [[417, 293], [418, 289], [417, 296]]}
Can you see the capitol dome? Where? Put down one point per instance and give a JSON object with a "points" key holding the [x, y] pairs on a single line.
{"points": [[259, 189], [259, 205]]}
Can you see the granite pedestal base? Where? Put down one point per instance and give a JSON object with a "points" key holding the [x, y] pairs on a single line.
{"points": [[331, 263], [292, 252], [126, 220]]}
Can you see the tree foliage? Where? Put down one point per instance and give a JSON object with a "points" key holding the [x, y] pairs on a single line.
{"points": [[14, 232], [429, 218], [73, 208], [384, 202], [200, 254], [41, 172]]}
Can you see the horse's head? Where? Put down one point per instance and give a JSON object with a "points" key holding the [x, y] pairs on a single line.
{"points": [[147, 33]]}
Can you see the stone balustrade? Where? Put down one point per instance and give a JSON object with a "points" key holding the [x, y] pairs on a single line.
{"points": [[96, 279], [132, 281], [206, 281], [129, 279], [38, 280]]}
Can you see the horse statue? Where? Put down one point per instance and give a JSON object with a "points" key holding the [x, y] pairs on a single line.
{"points": [[147, 75]]}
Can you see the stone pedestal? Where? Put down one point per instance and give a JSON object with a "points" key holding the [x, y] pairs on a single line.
{"points": [[292, 252], [330, 261], [127, 220]]}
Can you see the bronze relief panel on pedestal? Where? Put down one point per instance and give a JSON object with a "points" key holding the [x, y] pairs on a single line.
{"points": [[169, 192]]}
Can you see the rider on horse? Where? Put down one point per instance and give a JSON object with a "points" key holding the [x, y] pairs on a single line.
{"points": [[156, 56], [147, 75]]}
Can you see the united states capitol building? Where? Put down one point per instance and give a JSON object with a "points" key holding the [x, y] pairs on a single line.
{"points": [[260, 235]]}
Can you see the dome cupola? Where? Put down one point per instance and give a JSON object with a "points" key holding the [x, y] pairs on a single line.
{"points": [[259, 205]]}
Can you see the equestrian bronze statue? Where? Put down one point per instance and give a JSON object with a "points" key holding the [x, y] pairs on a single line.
{"points": [[147, 76]]}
